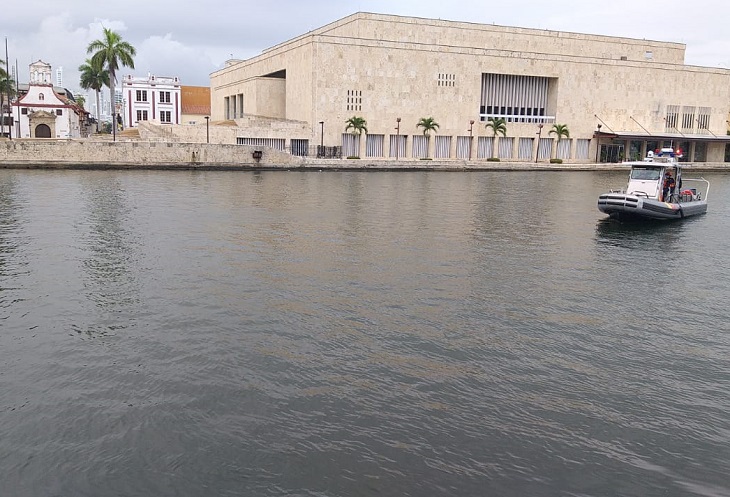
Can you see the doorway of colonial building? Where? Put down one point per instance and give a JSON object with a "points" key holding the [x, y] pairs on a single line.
{"points": [[42, 131]]}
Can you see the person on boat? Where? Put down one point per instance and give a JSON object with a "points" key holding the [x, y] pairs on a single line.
{"points": [[668, 187]]}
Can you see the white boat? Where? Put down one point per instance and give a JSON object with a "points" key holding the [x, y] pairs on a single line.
{"points": [[657, 190]]}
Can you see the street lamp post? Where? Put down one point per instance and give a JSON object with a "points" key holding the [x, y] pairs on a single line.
{"points": [[397, 137], [471, 140], [207, 129], [598, 143], [321, 140], [539, 134]]}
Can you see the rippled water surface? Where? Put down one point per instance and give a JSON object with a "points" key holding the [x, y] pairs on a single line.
{"points": [[358, 334]]}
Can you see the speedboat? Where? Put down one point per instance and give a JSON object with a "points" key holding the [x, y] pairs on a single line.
{"points": [[657, 190]]}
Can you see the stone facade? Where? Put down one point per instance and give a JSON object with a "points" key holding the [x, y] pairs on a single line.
{"points": [[383, 67]]}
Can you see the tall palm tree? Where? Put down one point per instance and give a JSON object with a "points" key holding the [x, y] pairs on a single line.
{"points": [[7, 89], [112, 53], [94, 77], [357, 125], [499, 127], [428, 124], [560, 130]]}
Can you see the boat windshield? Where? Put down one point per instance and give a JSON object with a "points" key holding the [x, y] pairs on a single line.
{"points": [[645, 173]]}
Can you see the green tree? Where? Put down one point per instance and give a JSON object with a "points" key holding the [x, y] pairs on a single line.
{"points": [[428, 124], [80, 100], [358, 125], [560, 130], [112, 53], [498, 125], [94, 77], [7, 89]]}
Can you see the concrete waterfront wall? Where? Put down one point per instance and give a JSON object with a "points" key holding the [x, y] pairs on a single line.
{"points": [[105, 154], [140, 154]]}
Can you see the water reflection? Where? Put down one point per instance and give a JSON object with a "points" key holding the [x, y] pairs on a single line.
{"points": [[110, 245]]}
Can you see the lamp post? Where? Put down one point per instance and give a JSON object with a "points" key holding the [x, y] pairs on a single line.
{"points": [[397, 137], [598, 143], [471, 140], [321, 140], [207, 129], [539, 134]]}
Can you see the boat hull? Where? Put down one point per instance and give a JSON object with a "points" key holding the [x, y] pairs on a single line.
{"points": [[626, 206]]}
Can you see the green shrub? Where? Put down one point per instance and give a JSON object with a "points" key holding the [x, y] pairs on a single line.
{"points": [[353, 157], [426, 158], [556, 161], [493, 159]]}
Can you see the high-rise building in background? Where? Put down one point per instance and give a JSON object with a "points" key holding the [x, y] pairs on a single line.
{"points": [[59, 76]]}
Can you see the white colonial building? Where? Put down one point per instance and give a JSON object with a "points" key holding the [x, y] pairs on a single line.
{"points": [[151, 98], [44, 112]]}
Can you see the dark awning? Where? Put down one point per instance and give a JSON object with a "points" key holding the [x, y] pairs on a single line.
{"points": [[677, 137]]}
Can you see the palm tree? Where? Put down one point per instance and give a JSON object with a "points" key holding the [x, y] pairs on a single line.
{"points": [[428, 124], [560, 130], [112, 53], [94, 77], [499, 127], [7, 89], [357, 124]]}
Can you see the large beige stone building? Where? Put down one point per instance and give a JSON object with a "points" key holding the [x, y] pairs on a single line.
{"points": [[619, 97]]}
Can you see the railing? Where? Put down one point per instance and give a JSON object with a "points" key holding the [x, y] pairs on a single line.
{"points": [[329, 152]]}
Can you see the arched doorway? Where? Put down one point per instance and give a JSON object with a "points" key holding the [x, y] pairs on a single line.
{"points": [[42, 131]]}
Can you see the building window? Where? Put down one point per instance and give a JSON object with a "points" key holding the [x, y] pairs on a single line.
{"points": [[354, 99], [688, 118], [59, 112], [41, 97], [141, 95], [446, 79], [24, 111], [672, 118], [226, 107], [522, 99], [165, 116], [164, 97], [703, 119], [141, 115]]}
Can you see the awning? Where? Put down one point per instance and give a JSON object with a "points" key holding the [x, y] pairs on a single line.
{"points": [[677, 137]]}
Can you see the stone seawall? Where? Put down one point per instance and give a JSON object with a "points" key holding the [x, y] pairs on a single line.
{"points": [[137, 154]]}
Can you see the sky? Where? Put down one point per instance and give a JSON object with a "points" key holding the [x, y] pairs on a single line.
{"points": [[190, 39]]}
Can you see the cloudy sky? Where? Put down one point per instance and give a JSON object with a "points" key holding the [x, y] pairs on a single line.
{"points": [[190, 39]]}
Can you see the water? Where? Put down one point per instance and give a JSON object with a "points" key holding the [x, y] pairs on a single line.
{"points": [[357, 334]]}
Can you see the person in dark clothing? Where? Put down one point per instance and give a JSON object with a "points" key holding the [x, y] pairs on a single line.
{"points": [[668, 187]]}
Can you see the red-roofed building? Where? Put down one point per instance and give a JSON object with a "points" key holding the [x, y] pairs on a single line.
{"points": [[195, 104]]}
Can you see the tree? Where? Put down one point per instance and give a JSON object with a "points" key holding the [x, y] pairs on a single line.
{"points": [[498, 126], [560, 130], [428, 124], [7, 89], [112, 53], [357, 124], [94, 77], [81, 101]]}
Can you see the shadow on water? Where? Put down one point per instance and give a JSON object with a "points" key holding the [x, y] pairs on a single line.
{"points": [[640, 233]]}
